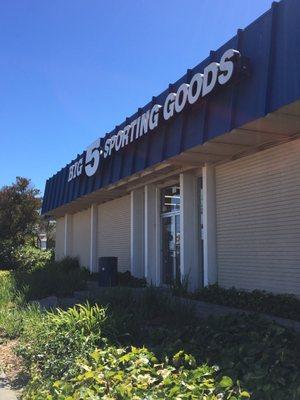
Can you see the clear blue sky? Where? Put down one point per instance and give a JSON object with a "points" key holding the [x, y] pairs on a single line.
{"points": [[70, 70]]}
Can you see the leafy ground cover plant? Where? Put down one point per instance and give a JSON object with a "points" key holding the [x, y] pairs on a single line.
{"points": [[281, 305], [58, 348], [76, 354], [263, 356], [133, 374]]}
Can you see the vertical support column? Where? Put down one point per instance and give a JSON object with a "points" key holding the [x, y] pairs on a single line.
{"points": [[68, 235], [210, 270], [189, 230], [151, 260], [137, 233], [93, 239], [158, 238]]}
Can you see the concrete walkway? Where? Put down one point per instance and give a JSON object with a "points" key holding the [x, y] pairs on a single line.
{"points": [[6, 393]]}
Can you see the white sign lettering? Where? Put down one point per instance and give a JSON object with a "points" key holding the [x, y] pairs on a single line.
{"points": [[75, 169], [201, 84]]}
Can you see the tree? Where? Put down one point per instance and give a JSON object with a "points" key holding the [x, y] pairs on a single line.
{"points": [[19, 215]]}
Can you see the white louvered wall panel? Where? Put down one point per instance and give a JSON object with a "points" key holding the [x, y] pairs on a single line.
{"points": [[258, 220], [81, 237], [114, 231], [59, 238]]}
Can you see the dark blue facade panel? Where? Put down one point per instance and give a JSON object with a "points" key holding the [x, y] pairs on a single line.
{"points": [[272, 46], [140, 155], [156, 146], [286, 57], [173, 137], [127, 162], [194, 128], [117, 167], [218, 115], [106, 171]]}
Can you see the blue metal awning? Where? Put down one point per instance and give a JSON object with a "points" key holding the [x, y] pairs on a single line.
{"points": [[271, 43]]}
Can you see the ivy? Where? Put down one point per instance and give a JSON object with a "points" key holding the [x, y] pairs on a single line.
{"points": [[281, 305]]}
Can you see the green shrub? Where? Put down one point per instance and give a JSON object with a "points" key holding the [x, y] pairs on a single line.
{"points": [[126, 279], [37, 278], [281, 305], [51, 347], [116, 373], [14, 312], [68, 264], [13, 320], [7, 251], [134, 312], [180, 285], [10, 303], [31, 258], [54, 278], [8, 293]]}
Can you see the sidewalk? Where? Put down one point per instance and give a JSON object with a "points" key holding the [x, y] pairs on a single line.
{"points": [[6, 393]]}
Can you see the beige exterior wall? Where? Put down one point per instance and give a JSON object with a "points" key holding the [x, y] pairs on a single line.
{"points": [[258, 220], [59, 238], [114, 231], [80, 241]]}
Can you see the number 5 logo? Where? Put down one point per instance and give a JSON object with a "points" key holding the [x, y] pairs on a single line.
{"points": [[92, 158]]}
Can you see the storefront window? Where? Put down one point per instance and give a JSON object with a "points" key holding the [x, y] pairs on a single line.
{"points": [[170, 199]]}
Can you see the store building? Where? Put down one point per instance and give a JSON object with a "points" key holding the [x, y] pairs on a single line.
{"points": [[204, 180]]}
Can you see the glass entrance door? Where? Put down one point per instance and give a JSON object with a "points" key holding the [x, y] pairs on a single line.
{"points": [[170, 229], [170, 248]]}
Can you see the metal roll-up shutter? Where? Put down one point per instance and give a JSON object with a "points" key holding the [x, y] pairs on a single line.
{"points": [[114, 231], [81, 237], [258, 220]]}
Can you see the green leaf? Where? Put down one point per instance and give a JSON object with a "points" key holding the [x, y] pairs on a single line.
{"points": [[245, 394], [226, 382]]}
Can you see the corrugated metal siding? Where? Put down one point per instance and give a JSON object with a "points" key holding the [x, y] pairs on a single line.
{"points": [[81, 235], [258, 220], [114, 231], [59, 238]]}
